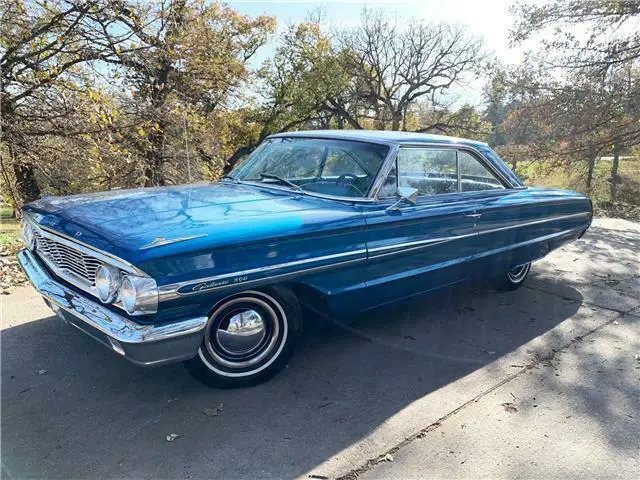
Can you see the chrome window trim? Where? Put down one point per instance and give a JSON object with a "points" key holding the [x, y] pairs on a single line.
{"points": [[366, 199], [384, 172], [386, 168], [482, 160]]}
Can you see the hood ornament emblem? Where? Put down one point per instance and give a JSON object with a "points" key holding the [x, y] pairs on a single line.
{"points": [[160, 241]]}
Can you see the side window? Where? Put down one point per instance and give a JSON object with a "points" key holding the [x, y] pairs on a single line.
{"points": [[390, 185], [431, 171], [474, 175]]}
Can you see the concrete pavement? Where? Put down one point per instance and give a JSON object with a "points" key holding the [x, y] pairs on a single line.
{"points": [[391, 384], [571, 415]]}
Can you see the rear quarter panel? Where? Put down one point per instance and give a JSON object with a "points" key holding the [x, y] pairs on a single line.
{"points": [[526, 224]]}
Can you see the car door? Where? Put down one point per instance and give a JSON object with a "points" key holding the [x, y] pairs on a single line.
{"points": [[494, 213], [511, 224], [416, 248]]}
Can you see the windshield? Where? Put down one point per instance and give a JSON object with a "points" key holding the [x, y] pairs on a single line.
{"points": [[331, 167]]}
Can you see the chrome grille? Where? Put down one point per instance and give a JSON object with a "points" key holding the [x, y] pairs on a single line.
{"points": [[67, 260]]}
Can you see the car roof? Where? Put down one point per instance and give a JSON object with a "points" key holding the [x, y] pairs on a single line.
{"points": [[378, 136]]}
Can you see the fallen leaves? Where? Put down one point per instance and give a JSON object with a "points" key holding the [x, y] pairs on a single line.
{"points": [[509, 407], [11, 275]]}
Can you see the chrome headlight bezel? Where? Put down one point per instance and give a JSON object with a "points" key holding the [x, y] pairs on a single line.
{"points": [[139, 295], [107, 283], [28, 234]]}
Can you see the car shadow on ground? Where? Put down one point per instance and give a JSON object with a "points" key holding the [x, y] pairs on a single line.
{"points": [[71, 408]]}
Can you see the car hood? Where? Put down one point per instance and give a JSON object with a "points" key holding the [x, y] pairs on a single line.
{"points": [[141, 224]]}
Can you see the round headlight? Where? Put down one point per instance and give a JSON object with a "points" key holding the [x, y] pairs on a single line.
{"points": [[107, 283], [28, 235], [128, 295], [139, 294]]}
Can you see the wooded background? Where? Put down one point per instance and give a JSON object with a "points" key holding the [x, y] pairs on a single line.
{"points": [[107, 94]]}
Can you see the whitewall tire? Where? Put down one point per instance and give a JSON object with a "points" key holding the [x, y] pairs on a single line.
{"points": [[514, 278], [249, 337]]}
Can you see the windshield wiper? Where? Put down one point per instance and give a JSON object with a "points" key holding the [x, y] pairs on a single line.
{"points": [[229, 177], [283, 180]]}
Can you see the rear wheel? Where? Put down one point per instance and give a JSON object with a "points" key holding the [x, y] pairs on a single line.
{"points": [[249, 337], [513, 279]]}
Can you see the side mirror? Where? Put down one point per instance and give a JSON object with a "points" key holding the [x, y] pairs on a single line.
{"points": [[406, 195]]}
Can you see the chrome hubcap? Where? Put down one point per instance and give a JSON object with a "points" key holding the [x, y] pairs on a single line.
{"points": [[518, 273], [242, 334]]}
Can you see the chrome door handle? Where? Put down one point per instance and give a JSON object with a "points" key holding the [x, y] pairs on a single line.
{"points": [[473, 215]]}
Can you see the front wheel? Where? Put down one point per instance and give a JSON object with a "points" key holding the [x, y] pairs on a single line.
{"points": [[249, 337], [512, 279]]}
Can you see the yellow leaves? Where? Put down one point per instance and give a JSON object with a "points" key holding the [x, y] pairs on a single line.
{"points": [[142, 132]]}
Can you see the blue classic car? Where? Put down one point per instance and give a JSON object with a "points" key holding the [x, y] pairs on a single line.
{"points": [[340, 222]]}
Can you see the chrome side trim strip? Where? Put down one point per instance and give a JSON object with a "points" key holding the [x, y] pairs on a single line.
{"points": [[102, 319], [167, 291], [171, 293], [535, 222], [227, 280], [528, 242], [424, 243]]}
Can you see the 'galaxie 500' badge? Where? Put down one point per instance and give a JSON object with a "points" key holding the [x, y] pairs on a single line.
{"points": [[213, 284]]}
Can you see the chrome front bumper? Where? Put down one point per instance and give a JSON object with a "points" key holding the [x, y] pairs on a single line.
{"points": [[145, 345]]}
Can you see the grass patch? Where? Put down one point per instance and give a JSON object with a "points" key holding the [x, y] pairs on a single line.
{"points": [[9, 226], [628, 203]]}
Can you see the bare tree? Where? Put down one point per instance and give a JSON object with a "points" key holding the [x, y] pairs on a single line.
{"points": [[394, 66]]}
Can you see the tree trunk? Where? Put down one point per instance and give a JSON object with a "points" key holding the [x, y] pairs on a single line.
{"points": [[154, 174], [396, 120], [591, 167], [614, 173], [237, 155], [26, 181]]}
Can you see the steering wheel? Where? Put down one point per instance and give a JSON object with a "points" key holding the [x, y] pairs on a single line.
{"points": [[342, 180]]}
